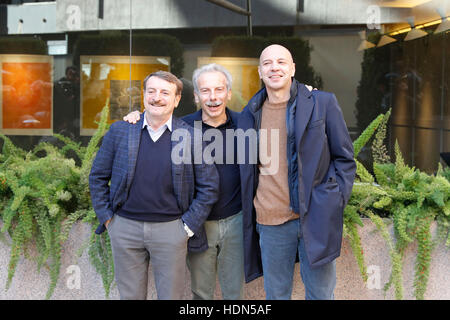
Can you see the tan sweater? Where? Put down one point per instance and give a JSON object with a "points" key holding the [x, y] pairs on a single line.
{"points": [[272, 194]]}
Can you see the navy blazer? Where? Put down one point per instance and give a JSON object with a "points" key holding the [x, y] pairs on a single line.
{"points": [[196, 186], [322, 167]]}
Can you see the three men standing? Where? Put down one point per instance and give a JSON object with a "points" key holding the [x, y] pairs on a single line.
{"points": [[296, 209]]}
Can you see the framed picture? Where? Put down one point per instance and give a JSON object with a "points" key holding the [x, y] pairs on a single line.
{"points": [[26, 95], [104, 77], [245, 75]]}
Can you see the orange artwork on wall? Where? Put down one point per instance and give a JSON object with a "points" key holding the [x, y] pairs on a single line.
{"points": [[104, 77], [245, 75], [27, 91]]}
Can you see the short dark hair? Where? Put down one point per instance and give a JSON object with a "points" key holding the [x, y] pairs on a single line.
{"points": [[167, 76]]}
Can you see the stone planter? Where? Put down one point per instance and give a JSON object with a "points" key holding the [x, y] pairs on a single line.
{"points": [[29, 284]]}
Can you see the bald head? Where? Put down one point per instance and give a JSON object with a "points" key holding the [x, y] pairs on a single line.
{"points": [[275, 50], [276, 68]]}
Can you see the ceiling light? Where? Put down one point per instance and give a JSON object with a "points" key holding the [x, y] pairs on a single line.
{"points": [[400, 31], [385, 40], [445, 21], [444, 26], [364, 44], [414, 33], [432, 23]]}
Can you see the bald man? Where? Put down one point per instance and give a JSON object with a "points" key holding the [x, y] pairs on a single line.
{"points": [[295, 211]]}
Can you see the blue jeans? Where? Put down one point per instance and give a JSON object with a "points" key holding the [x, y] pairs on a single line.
{"points": [[224, 259], [279, 246]]}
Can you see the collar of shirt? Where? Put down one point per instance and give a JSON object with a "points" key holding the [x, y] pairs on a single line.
{"points": [[156, 134], [227, 124]]}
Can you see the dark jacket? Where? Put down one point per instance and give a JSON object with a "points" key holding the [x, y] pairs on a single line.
{"points": [[321, 171], [195, 185], [197, 116], [229, 202]]}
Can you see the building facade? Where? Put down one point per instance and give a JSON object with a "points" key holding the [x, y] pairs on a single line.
{"points": [[62, 59]]}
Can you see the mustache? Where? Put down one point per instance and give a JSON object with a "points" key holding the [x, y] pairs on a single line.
{"points": [[213, 104], [156, 104]]}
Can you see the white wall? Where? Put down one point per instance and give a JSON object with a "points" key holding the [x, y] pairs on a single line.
{"points": [[32, 15]]}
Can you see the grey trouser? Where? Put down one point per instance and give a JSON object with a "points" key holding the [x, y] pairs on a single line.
{"points": [[224, 258], [135, 243]]}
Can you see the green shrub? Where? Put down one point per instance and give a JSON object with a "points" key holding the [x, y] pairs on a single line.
{"points": [[41, 197], [373, 84], [118, 43], [411, 198], [22, 45]]}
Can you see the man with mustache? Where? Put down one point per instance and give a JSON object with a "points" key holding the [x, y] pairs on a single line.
{"points": [[153, 208], [224, 257], [298, 210]]}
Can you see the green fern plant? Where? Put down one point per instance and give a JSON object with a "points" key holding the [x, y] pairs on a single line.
{"points": [[43, 196], [412, 199], [396, 259], [362, 189]]}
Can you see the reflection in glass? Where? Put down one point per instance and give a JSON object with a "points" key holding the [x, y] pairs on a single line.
{"points": [[27, 94], [106, 77]]}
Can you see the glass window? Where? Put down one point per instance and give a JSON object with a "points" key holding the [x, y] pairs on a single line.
{"points": [[62, 61]]}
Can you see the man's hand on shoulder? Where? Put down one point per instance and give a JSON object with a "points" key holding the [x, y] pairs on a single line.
{"points": [[132, 117]]}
